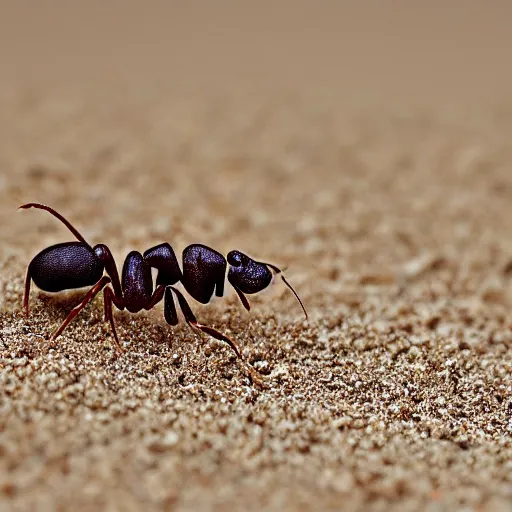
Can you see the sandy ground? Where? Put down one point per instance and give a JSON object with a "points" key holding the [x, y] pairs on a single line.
{"points": [[387, 192]]}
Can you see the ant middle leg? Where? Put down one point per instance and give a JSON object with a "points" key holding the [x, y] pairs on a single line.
{"points": [[89, 296], [109, 298], [156, 297], [172, 318]]}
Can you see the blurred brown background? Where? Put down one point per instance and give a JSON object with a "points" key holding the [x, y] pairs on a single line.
{"points": [[361, 51]]}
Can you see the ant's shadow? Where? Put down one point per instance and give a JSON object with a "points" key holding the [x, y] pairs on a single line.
{"points": [[62, 303]]}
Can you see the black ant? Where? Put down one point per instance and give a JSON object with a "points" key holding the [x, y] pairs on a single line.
{"points": [[73, 265]]}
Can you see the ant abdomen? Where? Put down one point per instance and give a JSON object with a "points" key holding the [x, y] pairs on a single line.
{"points": [[66, 266]]}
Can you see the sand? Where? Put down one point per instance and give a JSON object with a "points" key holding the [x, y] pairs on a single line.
{"points": [[391, 209]]}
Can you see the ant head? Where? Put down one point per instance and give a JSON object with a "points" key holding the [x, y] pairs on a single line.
{"points": [[247, 275]]}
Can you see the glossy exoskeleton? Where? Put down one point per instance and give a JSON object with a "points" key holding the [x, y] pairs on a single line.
{"points": [[73, 265]]}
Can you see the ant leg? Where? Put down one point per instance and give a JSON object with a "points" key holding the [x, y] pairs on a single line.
{"points": [[156, 297], [89, 296], [109, 298], [243, 298], [192, 321], [26, 295], [170, 314], [58, 215]]}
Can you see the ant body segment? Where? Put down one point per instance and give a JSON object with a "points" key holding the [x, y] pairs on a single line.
{"points": [[73, 265]]}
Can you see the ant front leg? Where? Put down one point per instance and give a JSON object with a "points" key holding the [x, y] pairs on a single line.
{"points": [[172, 318], [243, 299]]}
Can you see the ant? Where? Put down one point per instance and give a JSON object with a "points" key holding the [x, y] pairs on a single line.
{"points": [[73, 265]]}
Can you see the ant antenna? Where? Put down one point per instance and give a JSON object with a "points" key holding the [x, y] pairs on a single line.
{"points": [[279, 271], [58, 215]]}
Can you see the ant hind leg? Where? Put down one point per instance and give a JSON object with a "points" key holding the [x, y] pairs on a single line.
{"points": [[89, 296], [26, 295]]}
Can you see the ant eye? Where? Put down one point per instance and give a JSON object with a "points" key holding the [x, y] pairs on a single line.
{"points": [[234, 258]]}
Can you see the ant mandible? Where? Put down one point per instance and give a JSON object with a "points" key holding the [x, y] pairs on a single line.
{"points": [[73, 265]]}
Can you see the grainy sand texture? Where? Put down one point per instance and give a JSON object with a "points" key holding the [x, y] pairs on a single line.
{"points": [[367, 149]]}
